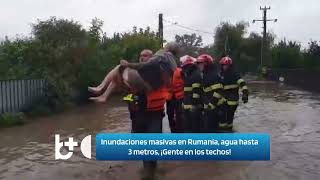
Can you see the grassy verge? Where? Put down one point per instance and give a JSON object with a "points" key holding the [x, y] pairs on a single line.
{"points": [[12, 119], [33, 113]]}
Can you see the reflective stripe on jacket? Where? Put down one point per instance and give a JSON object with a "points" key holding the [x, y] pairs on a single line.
{"points": [[232, 83]]}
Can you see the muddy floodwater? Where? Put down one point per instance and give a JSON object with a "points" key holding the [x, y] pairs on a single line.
{"points": [[289, 115]]}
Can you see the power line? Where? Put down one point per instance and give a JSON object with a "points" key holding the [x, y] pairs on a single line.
{"points": [[188, 28]]}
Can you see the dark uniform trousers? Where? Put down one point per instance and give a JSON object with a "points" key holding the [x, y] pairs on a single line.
{"points": [[192, 121], [227, 116], [171, 114], [148, 122], [211, 121], [175, 117], [144, 121]]}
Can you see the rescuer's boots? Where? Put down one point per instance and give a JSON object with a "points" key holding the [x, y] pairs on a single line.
{"points": [[148, 173]]}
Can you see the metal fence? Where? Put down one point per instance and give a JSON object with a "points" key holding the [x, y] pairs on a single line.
{"points": [[19, 95]]}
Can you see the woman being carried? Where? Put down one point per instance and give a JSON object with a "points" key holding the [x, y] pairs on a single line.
{"points": [[114, 80], [138, 77]]}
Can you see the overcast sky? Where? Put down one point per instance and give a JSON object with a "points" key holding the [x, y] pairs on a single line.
{"points": [[298, 19]]}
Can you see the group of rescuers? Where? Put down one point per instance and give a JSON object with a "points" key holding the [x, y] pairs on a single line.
{"points": [[202, 98]]}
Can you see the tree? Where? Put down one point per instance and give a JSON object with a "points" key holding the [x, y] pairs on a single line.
{"points": [[95, 32], [190, 43], [230, 40], [13, 61], [134, 42], [60, 49], [287, 54], [312, 55]]}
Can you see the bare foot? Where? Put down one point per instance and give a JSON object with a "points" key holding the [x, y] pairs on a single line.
{"points": [[98, 99]]}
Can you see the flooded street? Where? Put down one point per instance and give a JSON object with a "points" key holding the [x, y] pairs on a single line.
{"points": [[290, 116]]}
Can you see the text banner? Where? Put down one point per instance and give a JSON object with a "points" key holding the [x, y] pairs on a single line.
{"points": [[149, 146]]}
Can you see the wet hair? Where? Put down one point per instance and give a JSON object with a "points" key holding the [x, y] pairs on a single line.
{"points": [[146, 53], [172, 47]]}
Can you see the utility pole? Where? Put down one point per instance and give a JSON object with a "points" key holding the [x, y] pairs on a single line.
{"points": [[161, 29], [264, 38], [226, 48]]}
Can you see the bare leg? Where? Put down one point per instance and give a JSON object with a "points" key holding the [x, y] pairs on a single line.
{"points": [[106, 81], [105, 96], [130, 79]]}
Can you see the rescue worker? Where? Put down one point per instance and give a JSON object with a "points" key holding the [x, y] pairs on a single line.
{"points": [[213, 90], [192, 103], [132, 98], [174, 101], [231, 82], [147, 114], [264, 72], [149, 120]]}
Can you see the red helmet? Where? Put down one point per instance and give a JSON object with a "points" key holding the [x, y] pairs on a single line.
{"points": [[205, 58], [185, 60], [226, 61]]}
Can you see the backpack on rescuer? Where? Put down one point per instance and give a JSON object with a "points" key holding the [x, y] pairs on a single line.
{"points": [[178, 84]]}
